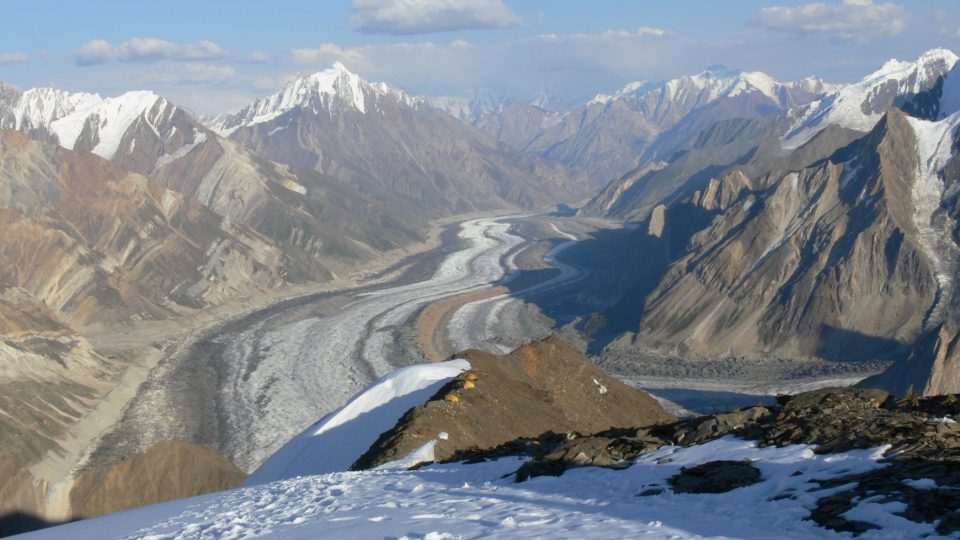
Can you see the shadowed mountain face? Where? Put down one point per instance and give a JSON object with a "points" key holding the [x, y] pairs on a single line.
{"points": [[825, 261], [786, 260], [395, 148]]}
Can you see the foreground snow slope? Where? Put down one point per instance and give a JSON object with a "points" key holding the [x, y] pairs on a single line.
{"points": [[336, 441], [477, 501]]}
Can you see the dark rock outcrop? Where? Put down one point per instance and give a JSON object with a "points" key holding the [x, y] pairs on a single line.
{"points": [[715, 477]]}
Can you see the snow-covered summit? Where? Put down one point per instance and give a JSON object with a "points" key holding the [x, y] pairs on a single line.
{"points": [[630, 88], [335, 86], [82, 121], [712, 84], [39, 107], [859, 106]]}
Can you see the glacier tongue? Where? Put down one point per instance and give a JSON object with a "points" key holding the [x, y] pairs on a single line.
{"points": [[934, 145]]}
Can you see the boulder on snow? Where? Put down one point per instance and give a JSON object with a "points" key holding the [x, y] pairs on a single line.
{"points": [[715, 477]]}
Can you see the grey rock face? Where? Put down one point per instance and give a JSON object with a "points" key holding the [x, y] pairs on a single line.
{"points": [[824, 261]]}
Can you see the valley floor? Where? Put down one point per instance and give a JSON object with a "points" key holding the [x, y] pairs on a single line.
{"points": [[247, 378]]}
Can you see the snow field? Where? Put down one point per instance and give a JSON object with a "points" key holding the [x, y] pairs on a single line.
{"points": [[476, 501]]}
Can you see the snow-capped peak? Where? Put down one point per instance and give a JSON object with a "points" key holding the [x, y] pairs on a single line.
{"points": [[629, 88], [336, 81], [68, 115], [39, 107], [859, 106], [334, 85], [712, 84]]}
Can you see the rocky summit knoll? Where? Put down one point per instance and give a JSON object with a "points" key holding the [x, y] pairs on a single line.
{"points": [[542, 386]]}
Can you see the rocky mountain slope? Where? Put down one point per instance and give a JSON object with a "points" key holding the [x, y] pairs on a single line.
{"points": [[715, 144], [393, 147], [542, 386], [86, 246], [431, 412], [169, 470], [144, 133], [98, 245], [840, 249]]}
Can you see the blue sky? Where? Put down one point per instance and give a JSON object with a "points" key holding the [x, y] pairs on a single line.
{"points": [[216, 55]]}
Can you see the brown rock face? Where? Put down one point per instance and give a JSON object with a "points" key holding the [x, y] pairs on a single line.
{"points": [[542, 386], [933, 367], [169, 470], [85, 244], [98, 245]]}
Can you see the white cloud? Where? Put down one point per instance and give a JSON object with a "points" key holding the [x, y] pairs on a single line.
{"points": [[13, 58], [328, 53], [574, 63], [403, 17], [144, 50], [851, 20], [189, 74]]}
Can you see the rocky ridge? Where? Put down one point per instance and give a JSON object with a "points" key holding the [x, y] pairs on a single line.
{"points": [[920, 437]]}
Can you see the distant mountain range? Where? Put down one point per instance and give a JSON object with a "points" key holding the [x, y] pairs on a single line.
{"points": [[613, 133]]}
